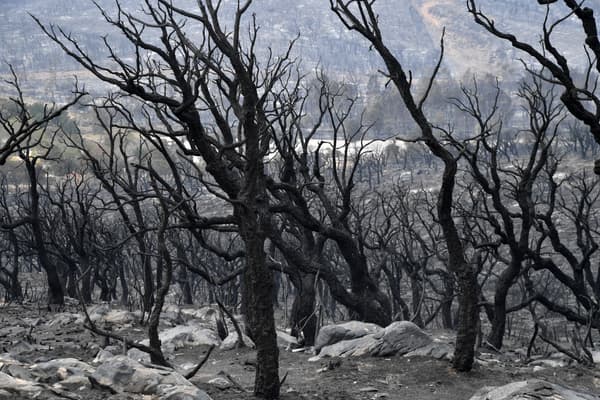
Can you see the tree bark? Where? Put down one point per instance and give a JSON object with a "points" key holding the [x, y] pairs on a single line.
{"points": [[258, 303], [303, 319]]}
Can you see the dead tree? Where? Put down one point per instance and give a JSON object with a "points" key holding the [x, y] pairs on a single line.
{"points": [[360, 16], [579, 96], [212, 98], [504, 182]]}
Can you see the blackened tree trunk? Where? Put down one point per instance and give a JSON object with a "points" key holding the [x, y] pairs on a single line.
{"points": [[447, 317], [498, 322], [303, 317], [56, 296], [258, 304]]}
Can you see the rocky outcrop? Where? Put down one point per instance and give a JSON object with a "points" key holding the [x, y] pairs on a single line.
{"points": [[397, 338], [231, 341], [331, 334], [531, 389], [124, 375], [11, 387]]}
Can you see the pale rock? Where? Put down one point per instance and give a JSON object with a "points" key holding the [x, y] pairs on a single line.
{"points": [[62, 368], [397, 338], [18, 371], [14, 386], [595, 356], [138, 355], [549, 363], [126, 375], [361, 346], [401, 337], [220, 383], [206, 313], [435, 349], [104, 314], [74, 383], [286, 340], [186, 335], [166, 392], [20, 347], [13, 331], [62, 319], [6, 358], [331, 334], [531, 389], [102, 356], [171, 313], [230, 342], [120, 318]]}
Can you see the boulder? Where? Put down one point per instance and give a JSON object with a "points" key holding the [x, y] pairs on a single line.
{"points": [[286, 340], [401, 337], [397, 338], [362, 346], [103, 355], [595, 356], [125, 375], [206, 313], [220, 383], [331, 334], [230, 342], [435, 349], [73, 383], [104, 314], [182, 393], [187, 335], [138, 355], [62, 368], [62, 319], [531, 389], [11, 387]]}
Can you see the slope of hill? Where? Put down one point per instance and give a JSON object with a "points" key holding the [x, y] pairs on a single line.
{"points": [[412, 29]]}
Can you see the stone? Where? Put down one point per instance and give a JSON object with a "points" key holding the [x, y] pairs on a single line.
{"points": [[125, 375], [220, 383], [230, 342], [74, 383], [62, 319], [286, 340], [531, 389], [62, 368], [102, 356], [181, 393], [138, 355], [362, 346], [397, 338], [401, 337], [18, 371], [331, 334], [104, 314], [20, 347], [435, 349], [206, 313], [595, 356], [187, 335], [549, 363], [18, 387]]}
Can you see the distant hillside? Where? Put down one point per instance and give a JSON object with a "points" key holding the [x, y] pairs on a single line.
{"points": [[412, 29]]}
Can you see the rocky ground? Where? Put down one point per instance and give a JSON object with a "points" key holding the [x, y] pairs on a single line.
{"points": [[51, 356]]}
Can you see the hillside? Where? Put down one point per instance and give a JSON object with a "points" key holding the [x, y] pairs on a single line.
{"points": [[412, 29]]}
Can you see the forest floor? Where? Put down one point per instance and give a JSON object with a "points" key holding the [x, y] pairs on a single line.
{"points": [[31, 337]]}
